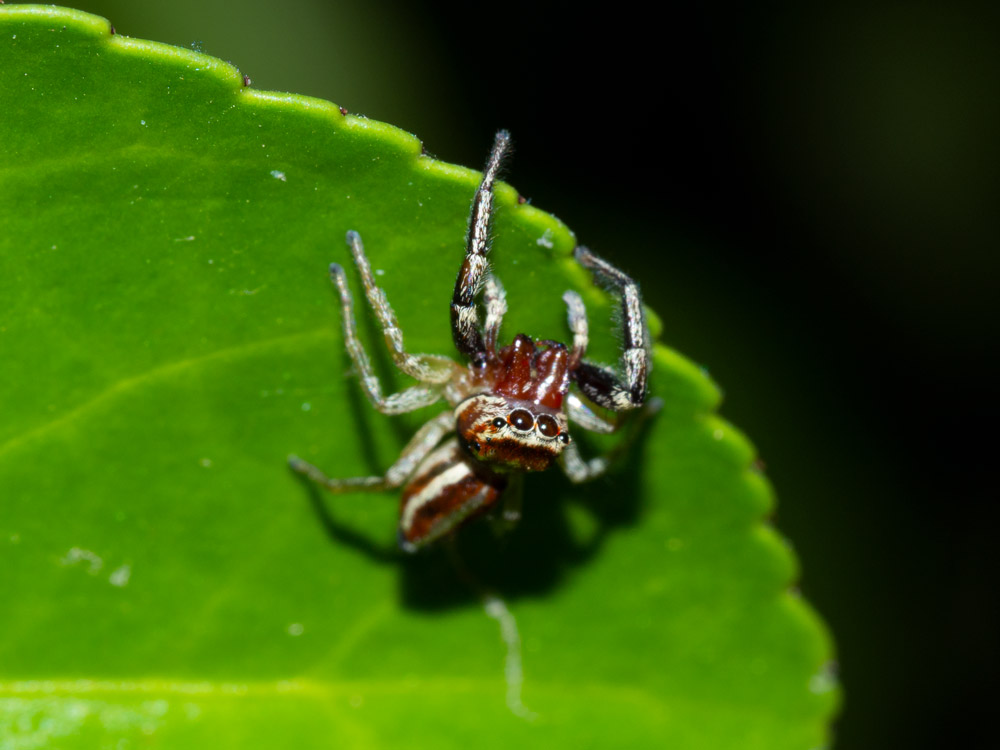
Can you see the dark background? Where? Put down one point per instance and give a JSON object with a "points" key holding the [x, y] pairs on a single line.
{"points": [[808, 193]]}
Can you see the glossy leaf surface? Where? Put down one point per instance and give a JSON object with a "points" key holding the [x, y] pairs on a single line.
{"points": [[168, 336]]}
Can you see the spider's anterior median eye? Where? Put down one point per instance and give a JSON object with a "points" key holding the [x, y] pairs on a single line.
{"points": [[548, 426], [522, 419], [499, 422]]}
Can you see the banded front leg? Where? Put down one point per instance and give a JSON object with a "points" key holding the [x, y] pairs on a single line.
{"points": [[465, 328]]}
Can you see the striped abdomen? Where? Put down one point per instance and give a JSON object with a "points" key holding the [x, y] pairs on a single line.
{"points": [[447, 489]]}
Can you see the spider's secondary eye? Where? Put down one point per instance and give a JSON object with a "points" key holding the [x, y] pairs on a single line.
{"points": [[522, 419], [548, 426], [499, 422]]}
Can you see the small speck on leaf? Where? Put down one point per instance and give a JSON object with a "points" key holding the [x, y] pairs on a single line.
{"points": [[119, 576]]}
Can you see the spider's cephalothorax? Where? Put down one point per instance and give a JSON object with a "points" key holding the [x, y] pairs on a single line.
{"points": [[511, 405], [517, 423]]}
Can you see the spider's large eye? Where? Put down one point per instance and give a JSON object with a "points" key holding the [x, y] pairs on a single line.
{"points": [[548, 426], [522, 419]]}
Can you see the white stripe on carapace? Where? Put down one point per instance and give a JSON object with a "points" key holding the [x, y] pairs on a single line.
{"points": [[546, 385], [432, 491]]}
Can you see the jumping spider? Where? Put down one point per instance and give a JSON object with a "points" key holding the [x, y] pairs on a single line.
{"points": [[511, 405]]}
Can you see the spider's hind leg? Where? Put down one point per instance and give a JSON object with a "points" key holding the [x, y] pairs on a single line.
{"points": [[427, 368], [407, 400], [603, 385], [419, 447]]}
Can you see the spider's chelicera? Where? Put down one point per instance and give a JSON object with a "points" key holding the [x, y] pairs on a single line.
{"points": [[511, 405]]}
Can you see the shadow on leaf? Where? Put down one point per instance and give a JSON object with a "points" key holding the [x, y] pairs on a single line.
{"points": [[531, 560]]}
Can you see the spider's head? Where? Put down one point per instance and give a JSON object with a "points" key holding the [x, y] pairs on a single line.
{"points": [[511, 434]]}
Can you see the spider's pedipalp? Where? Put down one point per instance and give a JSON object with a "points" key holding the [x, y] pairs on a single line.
{"points": [[600, 384], [398, 403], [583, 415], [426, 368], [580, 470], [464, 316], [510, 506]]}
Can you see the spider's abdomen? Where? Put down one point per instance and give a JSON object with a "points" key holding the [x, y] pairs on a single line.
{"points": [[446, 490]]}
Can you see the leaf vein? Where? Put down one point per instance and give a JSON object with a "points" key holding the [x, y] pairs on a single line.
{"points": [[123, 386]]}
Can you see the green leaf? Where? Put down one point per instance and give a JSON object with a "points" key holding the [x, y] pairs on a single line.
{"points": [[169, 335]]}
